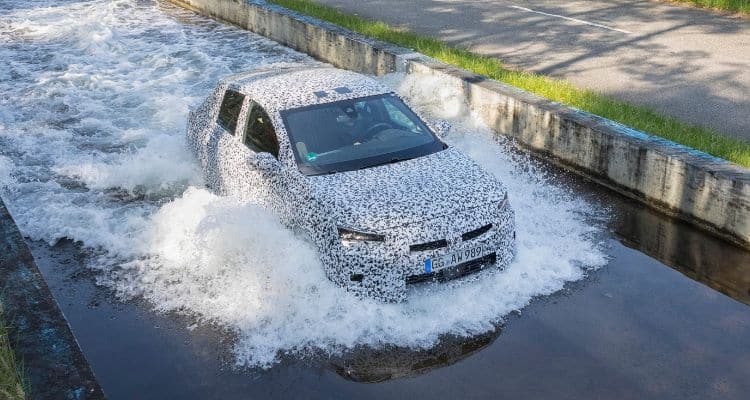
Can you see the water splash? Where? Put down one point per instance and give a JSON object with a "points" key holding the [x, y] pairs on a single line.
{"points": [[91, 139]]}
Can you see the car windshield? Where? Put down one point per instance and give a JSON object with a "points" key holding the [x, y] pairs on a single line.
{"points": [[355, 134]]}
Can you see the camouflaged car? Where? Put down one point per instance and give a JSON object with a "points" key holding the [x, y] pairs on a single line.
{"points": [[344, 160]]}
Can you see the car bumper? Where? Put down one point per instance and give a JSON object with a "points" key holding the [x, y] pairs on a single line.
{"points": [[385, 270]]}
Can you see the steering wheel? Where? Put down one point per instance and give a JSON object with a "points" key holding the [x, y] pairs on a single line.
{"points": [[381, 126]]}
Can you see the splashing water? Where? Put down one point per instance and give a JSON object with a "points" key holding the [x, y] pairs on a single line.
{"points": [[92, 113]]}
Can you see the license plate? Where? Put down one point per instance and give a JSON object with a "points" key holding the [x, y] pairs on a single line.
{"points": [[454, 258]]}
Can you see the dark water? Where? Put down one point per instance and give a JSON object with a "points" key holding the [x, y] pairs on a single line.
{"points": [[665, 319]]}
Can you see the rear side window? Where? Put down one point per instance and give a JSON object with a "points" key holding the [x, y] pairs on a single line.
{"points": [[230, 110], [260, 136]]}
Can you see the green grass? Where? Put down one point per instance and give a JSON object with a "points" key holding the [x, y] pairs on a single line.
{"points": [[11, 380], [639, 117], [737, 6]]}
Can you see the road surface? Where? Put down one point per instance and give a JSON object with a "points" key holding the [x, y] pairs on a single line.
{"points": [[688, 63]]}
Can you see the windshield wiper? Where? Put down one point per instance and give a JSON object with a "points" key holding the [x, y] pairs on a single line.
{"points": [[319, 173], [391, 161]]}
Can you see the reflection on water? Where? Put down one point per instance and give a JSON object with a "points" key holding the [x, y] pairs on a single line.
{"points": [[697, 255], [372, 366]]}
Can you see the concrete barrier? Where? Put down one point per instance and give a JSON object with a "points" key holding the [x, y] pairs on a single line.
{"points": [[39, 333], [704, 190]]}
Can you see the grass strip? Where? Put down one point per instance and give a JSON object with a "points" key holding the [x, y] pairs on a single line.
{"points": [[11, 379], [735, 6], [638, 117]]}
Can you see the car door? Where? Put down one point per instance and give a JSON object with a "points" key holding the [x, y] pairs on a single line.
{"points": [[221, 146], [258, 147]]}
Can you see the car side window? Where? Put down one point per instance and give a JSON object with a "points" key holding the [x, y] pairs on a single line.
{"points": [[260, 136], [230, 110]]}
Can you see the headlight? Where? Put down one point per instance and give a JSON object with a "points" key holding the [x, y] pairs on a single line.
{"points": [[353, 235], [504, 203]]}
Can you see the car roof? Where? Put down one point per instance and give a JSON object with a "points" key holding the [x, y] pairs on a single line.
{"points": [[283, 87]]}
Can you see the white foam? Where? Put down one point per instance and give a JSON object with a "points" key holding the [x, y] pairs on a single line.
{"points": [[140, 170], [6, 168], [95, 105]]}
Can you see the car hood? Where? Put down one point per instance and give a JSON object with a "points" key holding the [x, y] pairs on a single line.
{"points": [[383, 197]]}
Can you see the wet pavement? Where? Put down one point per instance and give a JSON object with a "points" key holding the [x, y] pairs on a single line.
{"points": [[667, 318]]}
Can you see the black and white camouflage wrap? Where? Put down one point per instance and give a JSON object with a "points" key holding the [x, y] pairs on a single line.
{"points": [[431, 198]]}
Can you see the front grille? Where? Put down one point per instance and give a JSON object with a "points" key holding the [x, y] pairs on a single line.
{"points": [[438, 244], [454, 272], [476, 232]]}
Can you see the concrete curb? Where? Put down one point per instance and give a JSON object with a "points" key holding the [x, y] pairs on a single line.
{"points": [[39, 333], [706, 191]]}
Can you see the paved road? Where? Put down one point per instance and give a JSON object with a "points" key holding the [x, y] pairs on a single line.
{"points": [[689, 63]]}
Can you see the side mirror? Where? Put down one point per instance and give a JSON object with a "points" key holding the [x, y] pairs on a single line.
{"points": [[266, 162], [442, 128]]}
